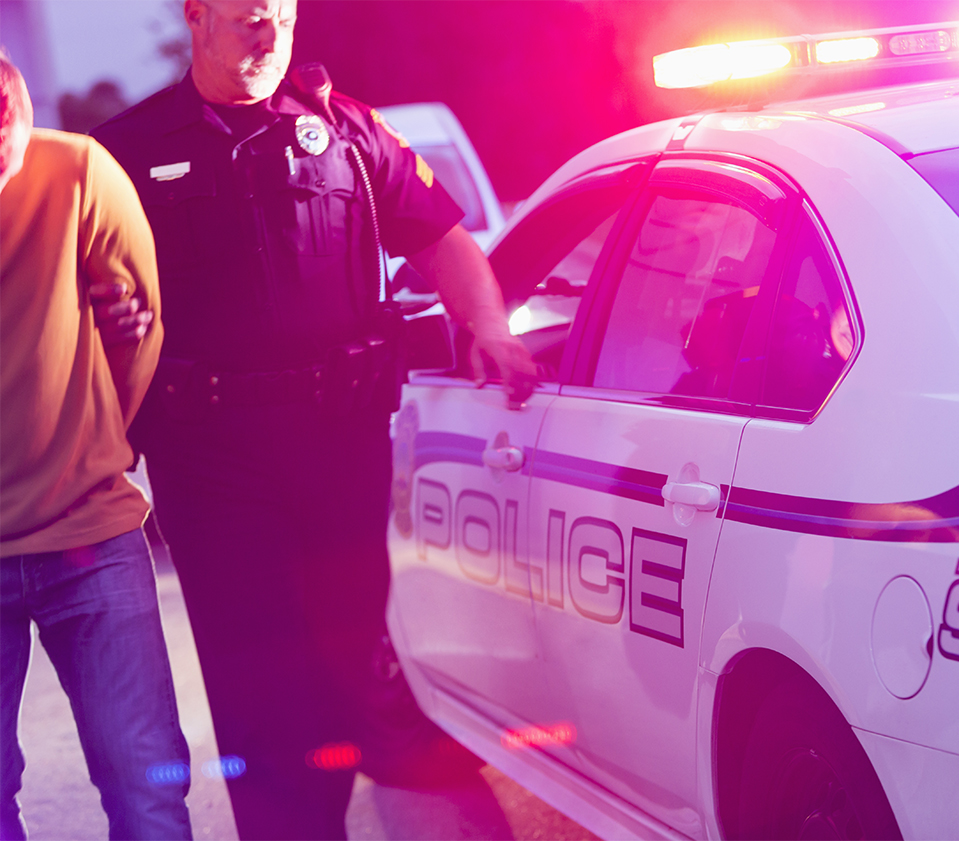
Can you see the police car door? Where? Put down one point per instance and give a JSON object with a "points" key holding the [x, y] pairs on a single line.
{"points": [[458, 539], [631, 469]]}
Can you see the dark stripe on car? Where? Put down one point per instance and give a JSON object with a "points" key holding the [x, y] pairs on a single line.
{"points": [[626, 482], [448, 446], [931, 520]]}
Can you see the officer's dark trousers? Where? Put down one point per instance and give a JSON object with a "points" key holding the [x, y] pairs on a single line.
{"points": [[276, 520]]}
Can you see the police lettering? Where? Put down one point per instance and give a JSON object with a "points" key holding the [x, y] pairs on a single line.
{"points": [[477, 536], [949, 629], [589, 563], [596, 567]]}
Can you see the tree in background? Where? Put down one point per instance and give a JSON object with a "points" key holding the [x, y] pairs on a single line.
{"points": [[82, 112], [174, 45]]}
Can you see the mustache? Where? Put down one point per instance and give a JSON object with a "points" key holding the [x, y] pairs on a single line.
{"points": [[260, 64]]}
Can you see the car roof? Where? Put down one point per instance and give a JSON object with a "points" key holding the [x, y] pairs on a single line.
{"points": [[909, 119], [918, 118]]}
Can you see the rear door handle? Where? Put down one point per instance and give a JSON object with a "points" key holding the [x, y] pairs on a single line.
{"points": [[700, 495]]}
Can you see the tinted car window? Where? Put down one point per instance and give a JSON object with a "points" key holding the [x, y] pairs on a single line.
{"points": [[812, 335], [556, 298], [685, 297], [544, 264]]}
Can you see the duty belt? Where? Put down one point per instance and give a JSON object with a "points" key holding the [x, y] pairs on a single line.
{"points": [[345, 382], [267, 387]]}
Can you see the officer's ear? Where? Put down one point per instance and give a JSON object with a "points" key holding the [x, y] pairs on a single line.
{"points": [[194, 12]]}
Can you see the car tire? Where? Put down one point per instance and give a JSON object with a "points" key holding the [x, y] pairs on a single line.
{"points": [[401, 746], [805, 774]]}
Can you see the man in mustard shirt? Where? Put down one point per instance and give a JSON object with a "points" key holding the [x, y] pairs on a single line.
{"points": [[72, 553]]}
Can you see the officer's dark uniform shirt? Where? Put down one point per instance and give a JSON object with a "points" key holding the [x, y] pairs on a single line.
{"points": [[264, 248]]}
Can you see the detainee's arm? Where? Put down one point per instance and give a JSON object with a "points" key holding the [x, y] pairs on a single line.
{"points": [[118, 258], [460, 272]]}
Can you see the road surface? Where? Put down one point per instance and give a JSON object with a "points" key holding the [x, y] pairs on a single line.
{"points": [[60, 803]]}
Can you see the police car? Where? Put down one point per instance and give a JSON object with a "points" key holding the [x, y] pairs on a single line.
{"points": [[706, 584]]}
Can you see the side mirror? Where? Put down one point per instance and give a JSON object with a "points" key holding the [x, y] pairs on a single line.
{"points": [[429, 341]]}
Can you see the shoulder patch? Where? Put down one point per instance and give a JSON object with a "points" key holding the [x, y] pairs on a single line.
{"points": [[377, 118], [424, 172]]}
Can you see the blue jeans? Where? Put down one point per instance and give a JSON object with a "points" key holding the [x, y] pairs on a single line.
{"points": [[97, 614]]}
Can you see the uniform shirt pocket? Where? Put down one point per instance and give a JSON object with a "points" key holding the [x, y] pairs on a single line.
{"points": [[307, 208], [178, 210]]}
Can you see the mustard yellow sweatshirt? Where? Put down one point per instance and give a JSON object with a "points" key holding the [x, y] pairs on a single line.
{"points": [[70, 218]]}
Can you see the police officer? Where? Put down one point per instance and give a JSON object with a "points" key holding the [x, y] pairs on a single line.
{"points": [[266, 430]]}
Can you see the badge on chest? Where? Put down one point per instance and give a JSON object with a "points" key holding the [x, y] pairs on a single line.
{"points": [[312, 135]]}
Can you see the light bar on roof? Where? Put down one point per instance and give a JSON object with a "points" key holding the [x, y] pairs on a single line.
{"points": [[914, 43], [698, 67], [846, 49]]}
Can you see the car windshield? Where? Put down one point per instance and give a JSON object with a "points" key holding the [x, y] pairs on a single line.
{"points": [[452, 172], [941, 170]]}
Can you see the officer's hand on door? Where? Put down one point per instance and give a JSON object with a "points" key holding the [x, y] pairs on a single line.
{"points": [[512, 360], [460, 272], [118, 320]]}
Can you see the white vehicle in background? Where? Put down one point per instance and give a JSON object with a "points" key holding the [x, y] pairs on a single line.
{"points": [[438, 137], [705, 584]]}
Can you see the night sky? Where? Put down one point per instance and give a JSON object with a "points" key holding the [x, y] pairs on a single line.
{"points": [[535, 81]]}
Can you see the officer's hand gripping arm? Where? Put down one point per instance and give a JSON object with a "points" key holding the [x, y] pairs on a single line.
{"points": [[119, 260], [120, 319]]}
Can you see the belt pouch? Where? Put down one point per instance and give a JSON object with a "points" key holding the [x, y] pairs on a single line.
{"points": [[391, 324], [344, 375]]}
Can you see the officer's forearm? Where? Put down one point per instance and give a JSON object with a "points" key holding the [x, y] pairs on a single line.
{"points": [[462, 275]]}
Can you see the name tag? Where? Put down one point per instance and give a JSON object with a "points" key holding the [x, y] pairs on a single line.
{"points": [[170, 172]]}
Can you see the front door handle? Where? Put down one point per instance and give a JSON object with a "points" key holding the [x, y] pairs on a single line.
{"points": [[699, 495], [502, 456], [507, 458]]}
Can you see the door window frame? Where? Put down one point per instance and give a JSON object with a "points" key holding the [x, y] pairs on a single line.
{"points": [[630, 175], [732, 178]]}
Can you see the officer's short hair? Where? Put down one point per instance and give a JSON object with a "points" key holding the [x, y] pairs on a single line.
{"points": [[15, 106]]}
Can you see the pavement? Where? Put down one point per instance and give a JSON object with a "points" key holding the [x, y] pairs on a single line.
{"points": [[60, 804]]}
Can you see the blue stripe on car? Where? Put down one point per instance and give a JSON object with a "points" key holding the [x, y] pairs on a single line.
{"points": [[931, 520], [626, 482], [448, 446]]}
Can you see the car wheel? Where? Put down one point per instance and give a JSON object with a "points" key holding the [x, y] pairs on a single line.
{"points": [[805, 775], [402, 747]]}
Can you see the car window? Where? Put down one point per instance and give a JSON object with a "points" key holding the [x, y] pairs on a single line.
{"points": [[451, 171], [556, 298], [812, 333], [685, 297], [545, 262]]}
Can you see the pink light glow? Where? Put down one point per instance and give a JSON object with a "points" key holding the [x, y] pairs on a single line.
{"points": [[562, 733], [334, 757], [846, 49]]}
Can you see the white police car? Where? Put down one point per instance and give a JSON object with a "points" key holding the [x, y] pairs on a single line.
{"points": [[707, 583]]}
